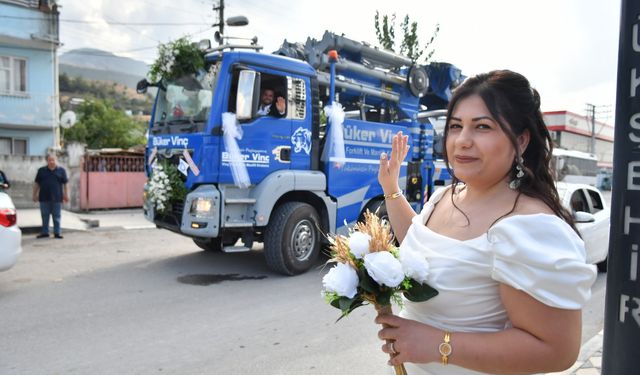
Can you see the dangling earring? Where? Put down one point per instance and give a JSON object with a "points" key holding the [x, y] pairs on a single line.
{"points": [[515, 183]]}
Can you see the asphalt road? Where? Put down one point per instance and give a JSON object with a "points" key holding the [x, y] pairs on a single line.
{"points": [[149, 301]]}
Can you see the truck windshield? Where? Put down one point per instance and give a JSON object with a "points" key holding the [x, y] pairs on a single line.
{"points": [[184, 104]]}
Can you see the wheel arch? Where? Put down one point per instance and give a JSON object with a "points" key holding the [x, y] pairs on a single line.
{"points": [[294, 186], [312, 199]]}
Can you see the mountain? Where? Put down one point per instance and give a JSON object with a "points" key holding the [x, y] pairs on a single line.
{"points": [[95, 64]]}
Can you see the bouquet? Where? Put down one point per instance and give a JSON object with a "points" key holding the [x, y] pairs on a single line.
{"points": [[370, 269]]}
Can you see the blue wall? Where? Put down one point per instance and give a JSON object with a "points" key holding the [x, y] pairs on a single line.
{"points": [[37, 22], [29, 115], [36, 108], [38, 141]]}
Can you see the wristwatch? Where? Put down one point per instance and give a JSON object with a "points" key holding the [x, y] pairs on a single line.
{"points": [[445, 348]]}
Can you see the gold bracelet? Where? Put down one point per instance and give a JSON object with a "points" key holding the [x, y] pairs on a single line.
{"points": [[394, 195], [445, 348]]}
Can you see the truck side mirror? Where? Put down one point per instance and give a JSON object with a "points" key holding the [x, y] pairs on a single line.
{"points": [[247, 94], [142, 86]]}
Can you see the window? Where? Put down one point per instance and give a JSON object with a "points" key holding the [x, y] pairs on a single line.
{"points": [[5, 146], [595, 200], [272, 88], [579, 202], [12, 146], [13, 75], [19, 146]]}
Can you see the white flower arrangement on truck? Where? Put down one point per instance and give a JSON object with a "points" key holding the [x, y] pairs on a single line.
{"points": [[175, 60], [165, 187]]}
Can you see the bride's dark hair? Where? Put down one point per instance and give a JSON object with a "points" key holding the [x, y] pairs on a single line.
{"points": [[515, 105]]}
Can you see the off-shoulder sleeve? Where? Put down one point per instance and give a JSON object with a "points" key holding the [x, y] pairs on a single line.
{"points": [[542, 256], [433, 199]]}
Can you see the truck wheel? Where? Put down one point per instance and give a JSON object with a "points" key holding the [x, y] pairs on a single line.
{"points": [[292, 238], [209, 244], [379, 208], [215, 244]]}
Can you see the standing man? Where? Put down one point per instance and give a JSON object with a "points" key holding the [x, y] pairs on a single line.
{"points": [[267, 107], [50, 189], [4, 182]]}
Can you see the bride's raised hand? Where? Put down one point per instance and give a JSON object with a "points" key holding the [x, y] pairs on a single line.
{"points": [[389, 170]]}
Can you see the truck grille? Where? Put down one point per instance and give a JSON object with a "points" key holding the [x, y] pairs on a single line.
{"points": [[171, 220], [176, 210]]}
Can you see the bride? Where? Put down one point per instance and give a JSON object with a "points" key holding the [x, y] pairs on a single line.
{"points": [[504, 254]]}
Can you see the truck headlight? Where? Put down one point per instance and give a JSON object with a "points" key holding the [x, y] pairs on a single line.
{"points": [[202, 207]]}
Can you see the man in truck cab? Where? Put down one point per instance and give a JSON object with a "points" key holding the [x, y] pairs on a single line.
{"points": [[267, 107]]}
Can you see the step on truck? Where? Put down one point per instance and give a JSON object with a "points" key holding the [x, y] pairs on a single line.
{"points": [[288, 179]]}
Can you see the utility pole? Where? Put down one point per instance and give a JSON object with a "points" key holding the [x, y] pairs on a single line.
{"points": [[591, 110], [220, 24]]}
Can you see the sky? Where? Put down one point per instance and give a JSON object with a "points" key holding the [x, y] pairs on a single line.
{"points": [[568, 49]]}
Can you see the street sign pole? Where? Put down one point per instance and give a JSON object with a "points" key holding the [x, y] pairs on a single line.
{"points": [[621, 349]]}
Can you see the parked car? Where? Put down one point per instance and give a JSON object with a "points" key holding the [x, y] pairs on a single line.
{"points": [[10, 234], [592, 216]]}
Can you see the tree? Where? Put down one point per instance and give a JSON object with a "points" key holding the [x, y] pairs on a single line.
{"points": [[102, 126], [64, 82], [410, 45]]}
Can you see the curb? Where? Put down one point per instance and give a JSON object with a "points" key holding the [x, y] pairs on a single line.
{"points": [[36, 230], [29, 220]]}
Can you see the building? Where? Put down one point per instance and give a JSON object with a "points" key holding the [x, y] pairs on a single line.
{"points": [[573, 132], [29, 38]]}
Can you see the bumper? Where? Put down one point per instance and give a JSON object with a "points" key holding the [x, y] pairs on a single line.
{"points": [[10, 246], [182, 220]]}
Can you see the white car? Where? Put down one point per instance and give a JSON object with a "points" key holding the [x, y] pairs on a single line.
{"points": [[592, 217], [10, 234]]}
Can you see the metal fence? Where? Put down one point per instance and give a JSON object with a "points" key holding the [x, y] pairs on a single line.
{"points": [[113, 163]]}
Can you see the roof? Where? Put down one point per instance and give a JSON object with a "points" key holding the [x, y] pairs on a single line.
{"points": [[574, 153], [267, 60]]}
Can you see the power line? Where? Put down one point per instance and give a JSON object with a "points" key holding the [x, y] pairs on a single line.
{"points": [[79, 32], [139, 32], [106, 53], [153, 3], [115, 23]]}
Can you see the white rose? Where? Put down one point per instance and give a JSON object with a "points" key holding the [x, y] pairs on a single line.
{"points": [[342, 280], [414, 265], [359, 244], [384, 268]]}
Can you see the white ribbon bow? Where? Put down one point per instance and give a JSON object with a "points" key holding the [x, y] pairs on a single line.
{"points": [[232, 131], [334, 147]]}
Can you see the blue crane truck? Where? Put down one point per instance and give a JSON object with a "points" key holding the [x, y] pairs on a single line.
{"points": [[294, 195]]}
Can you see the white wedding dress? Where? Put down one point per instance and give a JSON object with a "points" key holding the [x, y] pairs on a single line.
{"points": [[539, 254]]}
